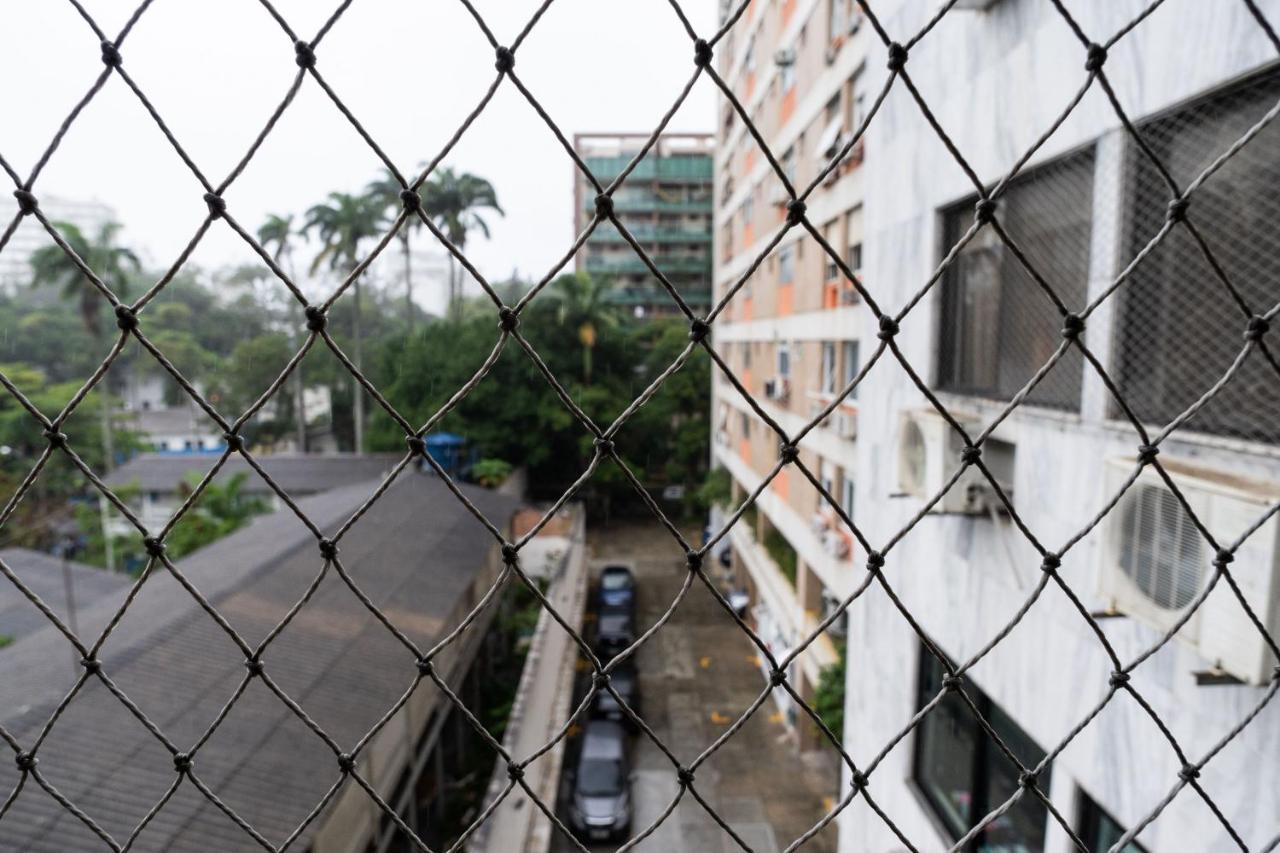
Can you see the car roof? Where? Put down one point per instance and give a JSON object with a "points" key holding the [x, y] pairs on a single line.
{"points": [[615, 621], [615, 569], [603, 739]]}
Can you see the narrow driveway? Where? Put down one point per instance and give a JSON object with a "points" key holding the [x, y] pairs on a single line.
{"points": [[697, 675]]}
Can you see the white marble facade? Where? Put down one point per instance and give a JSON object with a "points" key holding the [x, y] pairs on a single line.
{"points": [[998, 79]]}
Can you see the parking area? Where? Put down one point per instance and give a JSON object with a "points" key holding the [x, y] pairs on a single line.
{"points": [[696, 676]]}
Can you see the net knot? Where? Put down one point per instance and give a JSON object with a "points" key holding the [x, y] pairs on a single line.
{"points": [[1258, 326], [426, 667], [1223, 557], [604, 206], [1177, 210], [693, 560], [777, 677], [234, 440], [875, 561], [316, 318], [27, 203], [411, 200], [897, 57], [125, 318], [1072, 326], [985, 210], [91, 665], [509, 554], [417, 445], [254, 665], [1050, 563], [346, 763], [182, 762], [111, 55], [56, 438], [1147, 453], [971, 454], [789, 453], [859, 780], [1189, 772], [684, 776], [1096, 58], [888, 327], [508, 320], [600, 680], [698, 330], [795, 212], [953, 683], [514, 771], [154, 547], [217, 207], [303, 54], [506, 59], [1028, 779], [1119, 678], [25, 761], [702, 53], [328, 549], [603, 446]]}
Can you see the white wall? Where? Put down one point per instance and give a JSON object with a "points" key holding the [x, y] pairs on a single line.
{"points": [[996, 80]]}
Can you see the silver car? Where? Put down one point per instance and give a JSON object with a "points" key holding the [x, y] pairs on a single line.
{"points": [[601, 809]]}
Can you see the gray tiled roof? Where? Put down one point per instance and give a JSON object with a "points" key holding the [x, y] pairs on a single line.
{"points": [[43, 575], [296, 473], [415, 554]]}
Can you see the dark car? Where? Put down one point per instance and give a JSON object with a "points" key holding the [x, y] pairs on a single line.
{"points": [[617, 589], [627, 685], [601, 805], [614, 632]]}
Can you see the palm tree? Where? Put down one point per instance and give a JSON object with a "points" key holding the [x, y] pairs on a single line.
{"points": [[453, 202], [386, 191], [581, 303], [342, 223], [113, 264], [276, 236]]}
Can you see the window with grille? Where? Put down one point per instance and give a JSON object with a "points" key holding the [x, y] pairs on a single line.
{"points": [[998, 326], [1179, 323], [963, 774]]}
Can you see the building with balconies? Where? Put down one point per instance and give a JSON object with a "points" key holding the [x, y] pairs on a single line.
{"points": [[664, 205]]}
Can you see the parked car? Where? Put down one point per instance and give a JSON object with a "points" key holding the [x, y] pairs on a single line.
{"points": [[614, 632], [617, 589], [624, 681], [601, 806]]}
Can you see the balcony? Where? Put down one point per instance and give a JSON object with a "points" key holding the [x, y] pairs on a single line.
{"points": [[673, 169], [633, 265], [647, 205], [608, 233]]}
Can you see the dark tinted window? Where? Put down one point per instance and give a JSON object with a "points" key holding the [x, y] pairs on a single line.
{"points": [[1099, 831], [998, 326], [599, 777]]}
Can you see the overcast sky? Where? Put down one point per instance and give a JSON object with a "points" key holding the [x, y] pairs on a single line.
{"points": [[410, 70]]}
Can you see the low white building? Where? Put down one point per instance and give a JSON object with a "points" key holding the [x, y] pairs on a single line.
{"points": [[1193, 77]]}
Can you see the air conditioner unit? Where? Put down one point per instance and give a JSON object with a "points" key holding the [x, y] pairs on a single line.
{"points": [[830, 604], [846, 424], [778, 388], [929, 451], [1156, 562], [835, 543]]}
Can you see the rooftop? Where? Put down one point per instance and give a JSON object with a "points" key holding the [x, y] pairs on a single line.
{"points": [[43, 575], [296, 473]]}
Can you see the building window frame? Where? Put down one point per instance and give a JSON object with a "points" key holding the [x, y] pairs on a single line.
{"points": [[1097, 828]]}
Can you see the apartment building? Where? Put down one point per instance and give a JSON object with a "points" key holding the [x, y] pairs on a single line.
{"points": [[29, 237], [790, 333], [664, 204], [1193, 78]]}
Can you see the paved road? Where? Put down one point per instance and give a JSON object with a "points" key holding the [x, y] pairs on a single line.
{"points": [[697, 675]]}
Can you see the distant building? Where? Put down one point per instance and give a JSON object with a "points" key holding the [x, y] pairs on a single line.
{"points": [[180, 429], [665, 204], [161, 477], [30, 236], [334, 658], [428, 272]]}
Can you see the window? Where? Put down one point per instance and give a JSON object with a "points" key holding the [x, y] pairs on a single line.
{"points": [[828, 367], [746, 353], [746, 425], [787, 74], [830, 271], [837, 17], [846, 494], [963, 775], [787, 264], [855, 260], [998, 327], [1099, 830], [851, 363], [1178, 328], [748, 207], [789, 164], [784, 360], [749, 58]]}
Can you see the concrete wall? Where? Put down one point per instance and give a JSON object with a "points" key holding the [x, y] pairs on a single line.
{"points": [[996, 80]]}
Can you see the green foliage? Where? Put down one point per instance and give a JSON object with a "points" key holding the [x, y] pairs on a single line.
{"points": [[5, 640], [716, 490], [114, 265], [782, 553], [828, 697], [491, 472], [222, 508]]}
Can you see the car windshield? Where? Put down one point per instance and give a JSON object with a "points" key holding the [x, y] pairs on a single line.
{"points": [[615, 580], [600, 777]]}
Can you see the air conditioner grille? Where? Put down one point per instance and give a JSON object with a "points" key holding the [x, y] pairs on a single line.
{"points": [[1161, 550]]}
